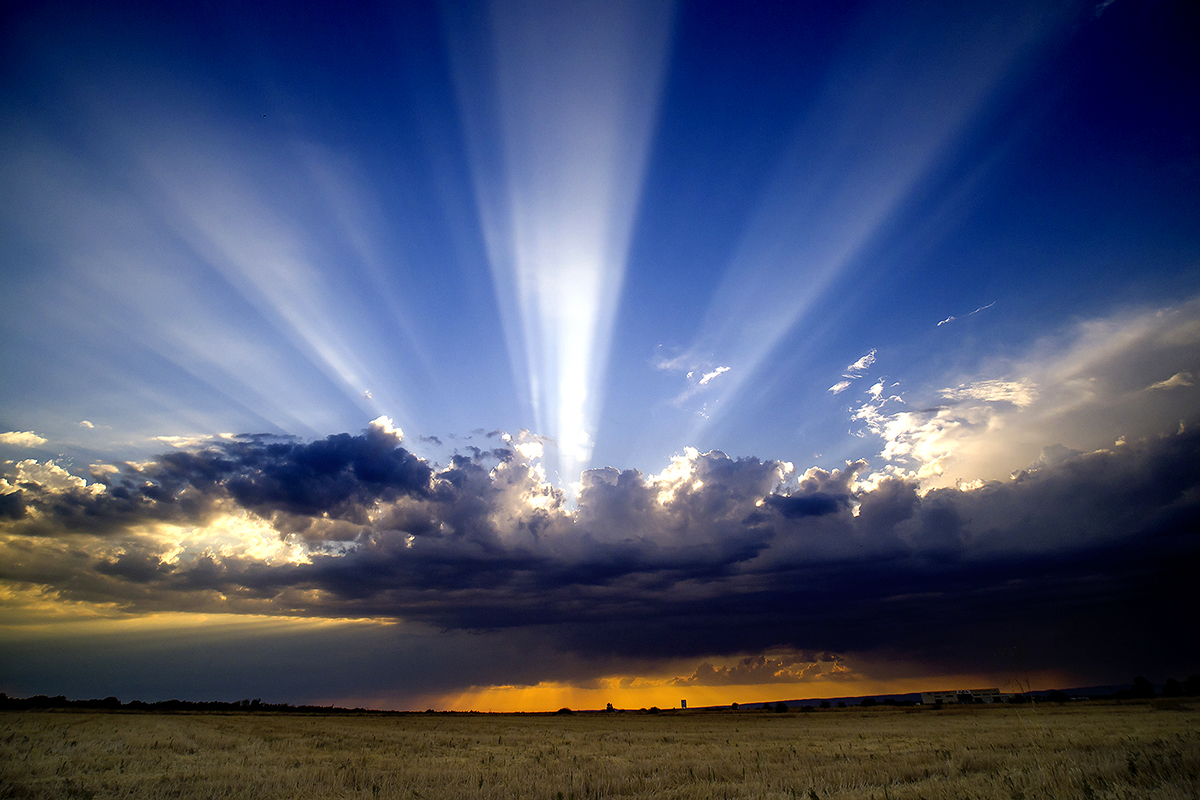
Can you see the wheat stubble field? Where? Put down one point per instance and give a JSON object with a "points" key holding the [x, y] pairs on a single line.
{"points": [[1016, 753]]}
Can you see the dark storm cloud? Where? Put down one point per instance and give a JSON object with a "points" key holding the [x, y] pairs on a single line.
{"points": [[337, 477], [1082, 561]]}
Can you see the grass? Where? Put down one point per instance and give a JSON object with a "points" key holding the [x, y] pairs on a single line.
{"points": [[1087, 750]]}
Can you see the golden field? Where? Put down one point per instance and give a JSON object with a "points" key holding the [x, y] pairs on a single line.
{"points": [[1085, 750]]}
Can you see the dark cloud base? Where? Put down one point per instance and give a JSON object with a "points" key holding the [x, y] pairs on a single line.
{"points": [[1085, 566]]}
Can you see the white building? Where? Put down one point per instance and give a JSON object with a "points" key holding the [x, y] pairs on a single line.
{"points": [[992, 695]]}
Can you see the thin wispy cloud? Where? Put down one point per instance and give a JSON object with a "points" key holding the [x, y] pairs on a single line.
{"points": [[853, 372], [1176, 381], [973, 313], [862, 364], [709, 376], [1020, 393]]}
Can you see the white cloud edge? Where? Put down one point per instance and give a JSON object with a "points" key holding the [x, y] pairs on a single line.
{"points": [[22, 439]]}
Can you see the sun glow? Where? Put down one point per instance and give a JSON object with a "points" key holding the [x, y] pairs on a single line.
{"points": [[235, 535], [632, 693]]}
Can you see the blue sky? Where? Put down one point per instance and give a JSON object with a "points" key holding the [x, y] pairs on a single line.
{"points": [[860, 245]]}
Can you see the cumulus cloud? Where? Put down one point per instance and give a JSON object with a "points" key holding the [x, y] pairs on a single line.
{"points": [[83, 423], [712, 557], [1083, 388], [384, 426], [22, 439]]}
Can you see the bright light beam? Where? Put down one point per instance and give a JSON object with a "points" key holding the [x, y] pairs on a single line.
{"points": [[904, 91], [571, 88]]}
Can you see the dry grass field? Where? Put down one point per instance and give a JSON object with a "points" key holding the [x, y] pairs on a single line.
{"points": [[1085, 751]]}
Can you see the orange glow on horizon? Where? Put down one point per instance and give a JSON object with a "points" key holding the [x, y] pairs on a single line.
{"points": [[632, 694]]}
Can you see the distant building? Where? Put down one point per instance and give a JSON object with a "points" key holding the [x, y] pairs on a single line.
{"points": [[683, 704], [966, 696]]}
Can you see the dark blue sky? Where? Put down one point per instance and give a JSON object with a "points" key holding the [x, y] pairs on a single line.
{"points": [[953, 243]]}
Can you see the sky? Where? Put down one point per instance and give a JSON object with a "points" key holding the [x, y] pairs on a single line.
{"points": [[518, 354]]}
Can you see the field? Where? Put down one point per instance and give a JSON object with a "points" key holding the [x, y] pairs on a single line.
{"points": [[1086, 750]]}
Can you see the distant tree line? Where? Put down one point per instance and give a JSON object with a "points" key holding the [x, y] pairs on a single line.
{"points": [[41, 701], [1143, 688]]}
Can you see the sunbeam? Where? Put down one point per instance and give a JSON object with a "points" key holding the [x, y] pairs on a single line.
{"points": [[885, 118], [571, 91]]}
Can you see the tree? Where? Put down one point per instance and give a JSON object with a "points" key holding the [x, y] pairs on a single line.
{"points": [[1191, 687], [734, 706], [1142, 688], [826, 704], [1173, 688], [781, 707], [869, 702]]}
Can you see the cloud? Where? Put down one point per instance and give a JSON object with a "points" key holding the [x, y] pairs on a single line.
{"points": [[1178, 380], [85, 424], [853, 372], [713, 557], [973, 313], [1020, 393], [384, 426], [708, 376], [1083, 387], [699, 375], [760, 670], [862, 364], [49, 478], [186, 442], [22, 439]]}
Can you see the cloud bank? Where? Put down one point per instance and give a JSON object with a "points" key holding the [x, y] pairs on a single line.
{"points": [[1084, 560]]}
